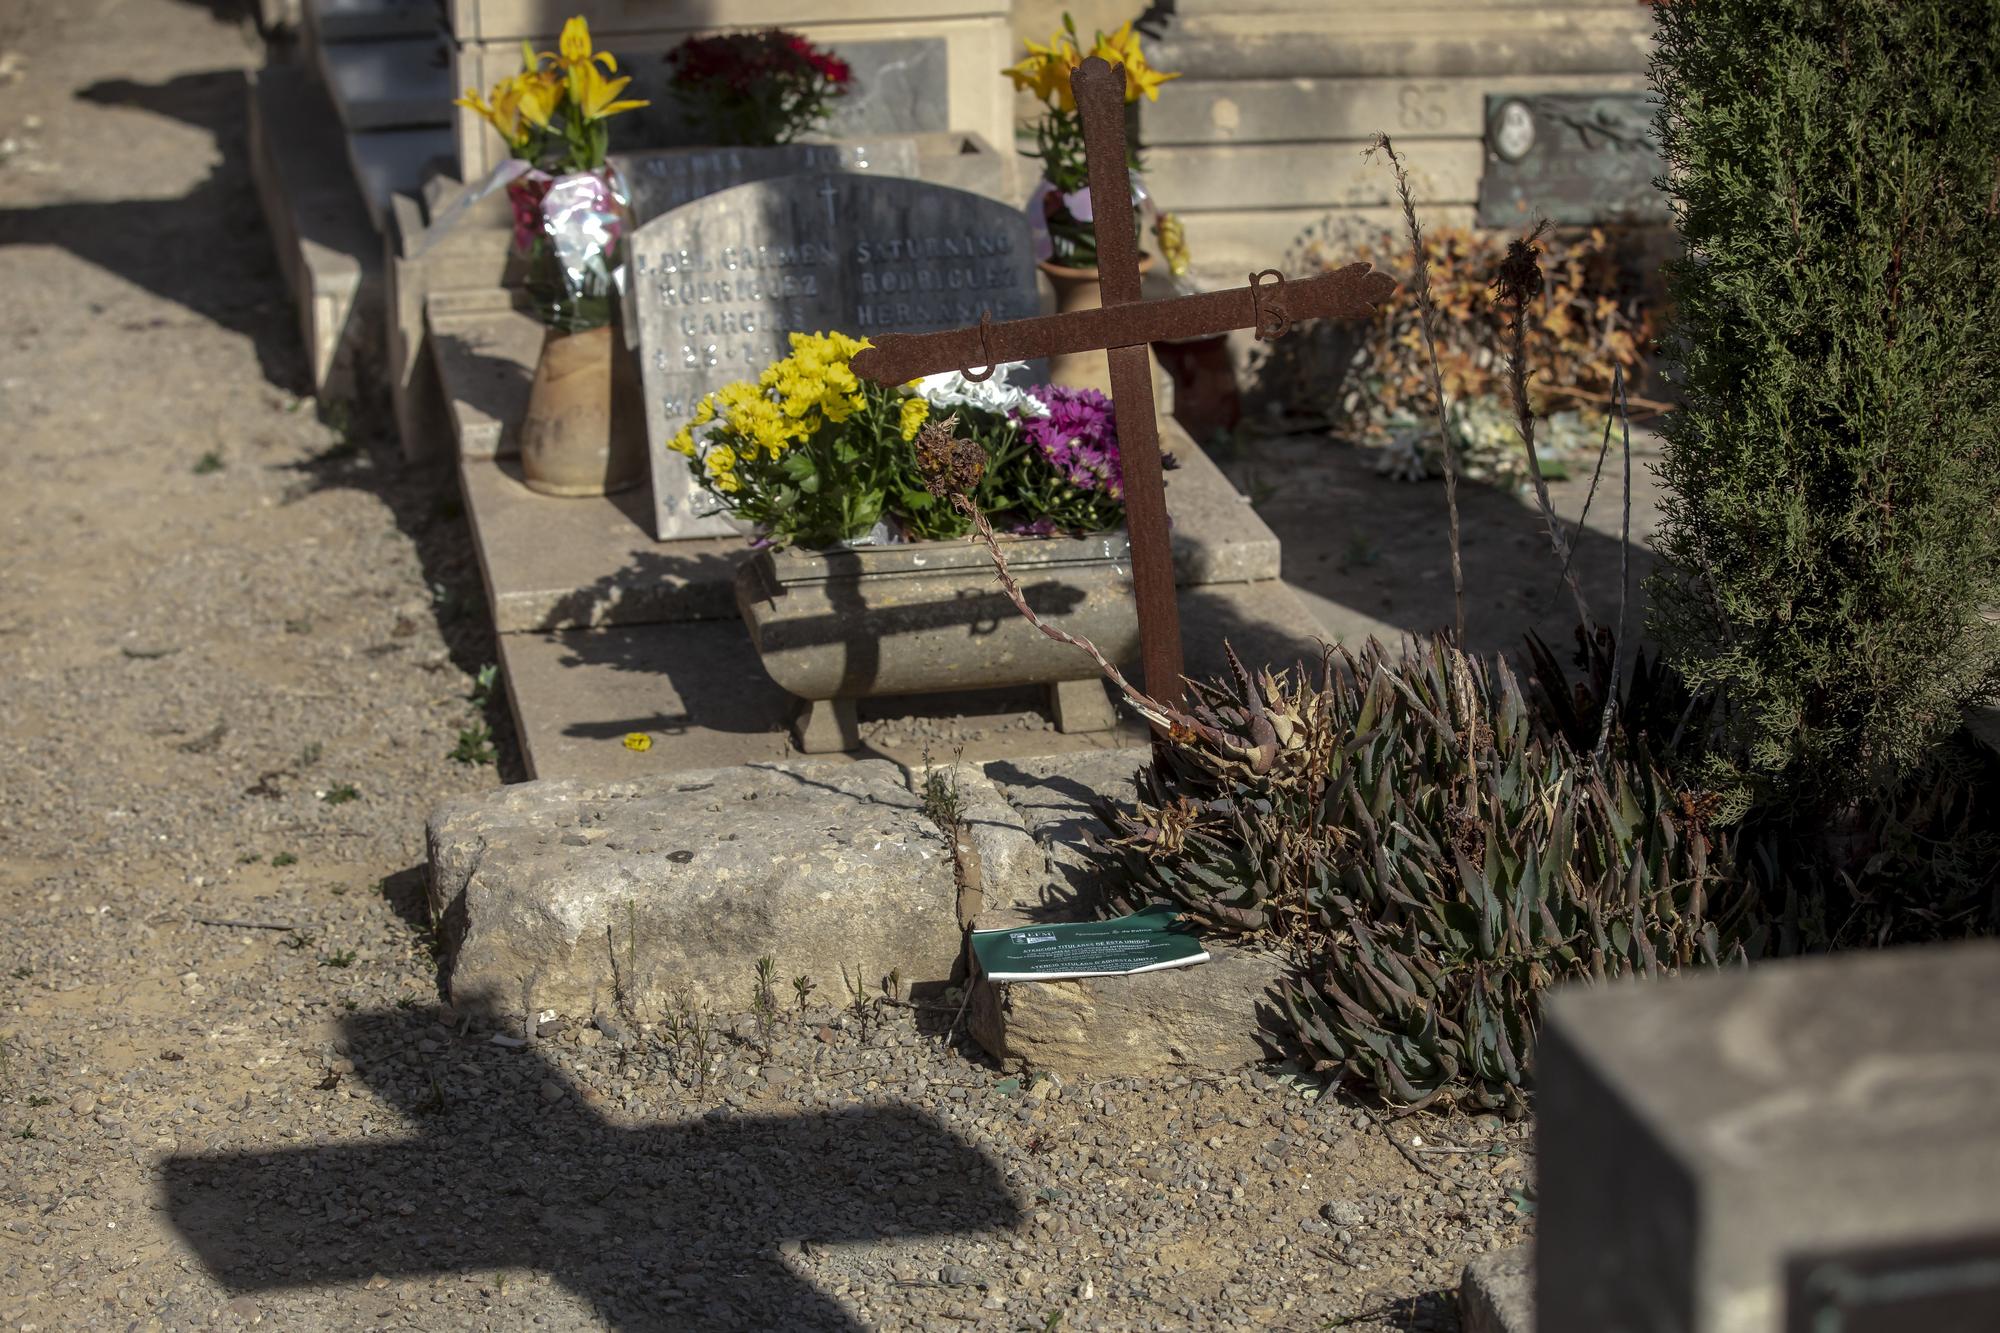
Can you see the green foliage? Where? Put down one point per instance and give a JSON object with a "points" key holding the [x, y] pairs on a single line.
{"points": [[1435, 858], [475, 745], [1834, 479], [208, 463]]}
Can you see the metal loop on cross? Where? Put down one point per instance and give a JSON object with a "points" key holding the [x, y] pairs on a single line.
{"points": [[1267, 304], [985, 350]]}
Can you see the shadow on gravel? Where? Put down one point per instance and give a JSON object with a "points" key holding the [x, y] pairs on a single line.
{"points": [[673, 1226]]}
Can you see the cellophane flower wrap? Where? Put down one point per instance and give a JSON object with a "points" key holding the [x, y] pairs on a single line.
{"points": [[756, 89], [570, 215], [812, 455]]}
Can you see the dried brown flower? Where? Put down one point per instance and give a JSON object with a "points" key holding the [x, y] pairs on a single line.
{"points": [[951, 467]]}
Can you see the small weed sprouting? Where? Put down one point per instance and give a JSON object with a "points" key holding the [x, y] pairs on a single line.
{"points": [[299, 625], [802, 989], [475, 745], [249, 858], [350, 1005], [209, 463], [283, 859], [339, 958], [298, 940], [406, 1001], [340, 793], [943, 802], [26, 1132], [483, 683], [763, 1000], [892, 985], [435, 1103], [310, 754], [23, 973], [39, 1101]]}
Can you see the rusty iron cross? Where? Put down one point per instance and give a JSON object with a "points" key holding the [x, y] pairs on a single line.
{"points": [[1122, 328]]}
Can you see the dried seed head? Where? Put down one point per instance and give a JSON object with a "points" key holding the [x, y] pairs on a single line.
{"points": [[950, 466], [1519, 277]]}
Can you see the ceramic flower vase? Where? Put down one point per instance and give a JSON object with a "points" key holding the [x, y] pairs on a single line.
{"points": [[585, 428]]}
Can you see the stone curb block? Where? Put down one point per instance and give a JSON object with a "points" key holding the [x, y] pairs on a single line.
{"points": [[1497, 1293], [584, 897]]}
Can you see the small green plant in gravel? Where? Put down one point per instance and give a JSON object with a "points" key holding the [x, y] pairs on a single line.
{"points": [[339, 958], [802, 989], [475, 745], [310, 754], [341, 793], [208, 464], [764, 999], [23, 973], [298, 940], [942, 800], [482, 685], [283, 859]]}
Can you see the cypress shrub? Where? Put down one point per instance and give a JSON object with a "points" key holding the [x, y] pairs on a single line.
{"points": [[1832, 523]]}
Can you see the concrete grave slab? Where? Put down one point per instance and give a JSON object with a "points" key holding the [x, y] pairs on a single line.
{"points": [[359, 20], [697, 689], [1712, 1151], [588, 561], [327, 250], [600, 898], [392, 83], [387, 163]]}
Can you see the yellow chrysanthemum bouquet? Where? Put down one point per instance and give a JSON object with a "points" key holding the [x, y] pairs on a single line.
{"points": [[570, 215], [1062, 211], [815, 456]]}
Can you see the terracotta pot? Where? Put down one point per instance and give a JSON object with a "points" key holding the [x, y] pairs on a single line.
{"points": [[1078, 289], [585, 430]]}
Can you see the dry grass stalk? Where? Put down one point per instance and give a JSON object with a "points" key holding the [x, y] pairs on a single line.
{"points": [[1427, 308]]}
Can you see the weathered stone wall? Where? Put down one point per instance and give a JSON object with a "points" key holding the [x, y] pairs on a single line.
{"points": [[1262, 136]]}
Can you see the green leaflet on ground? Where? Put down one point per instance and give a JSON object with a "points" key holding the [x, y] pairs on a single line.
{"points": [[1145, 941]]}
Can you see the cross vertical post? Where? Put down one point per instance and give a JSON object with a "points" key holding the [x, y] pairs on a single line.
{"points": [[1099, 89], [1122, 328]]}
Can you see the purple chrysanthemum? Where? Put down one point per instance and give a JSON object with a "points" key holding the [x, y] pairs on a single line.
{"points": [[1079, 438]]}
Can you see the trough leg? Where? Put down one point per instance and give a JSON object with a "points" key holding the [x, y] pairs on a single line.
{"points": [[823, 726], [1081, 705]]}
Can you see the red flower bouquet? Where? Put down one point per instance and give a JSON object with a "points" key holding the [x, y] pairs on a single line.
{"points": [[756, 88]]}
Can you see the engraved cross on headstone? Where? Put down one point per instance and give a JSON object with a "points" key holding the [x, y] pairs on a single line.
{"points": [[1122, 328]]}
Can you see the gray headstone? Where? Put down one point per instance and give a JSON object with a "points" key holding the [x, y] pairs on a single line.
{"points": [[1803, 1145], [660, 180], [898, 86], [1577, 159], [717, 286]]}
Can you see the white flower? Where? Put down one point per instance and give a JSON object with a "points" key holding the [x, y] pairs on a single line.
{"points": [[996, 395]]}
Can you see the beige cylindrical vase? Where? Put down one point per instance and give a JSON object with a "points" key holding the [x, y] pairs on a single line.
{"points": [[585, 429]]}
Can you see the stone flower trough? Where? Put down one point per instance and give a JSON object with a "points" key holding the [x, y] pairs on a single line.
{"points": [[835, 626]]}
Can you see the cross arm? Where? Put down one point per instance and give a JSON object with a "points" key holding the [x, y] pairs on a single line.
{"points": [[1349, 293]]}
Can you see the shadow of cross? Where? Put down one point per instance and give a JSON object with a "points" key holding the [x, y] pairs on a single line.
{"points": [[669, 1226], [1121, 328]]}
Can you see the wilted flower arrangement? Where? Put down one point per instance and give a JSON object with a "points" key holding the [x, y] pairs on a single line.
{"points": [[1062, 202], [569, 215], [814, 456], [756, 89]]}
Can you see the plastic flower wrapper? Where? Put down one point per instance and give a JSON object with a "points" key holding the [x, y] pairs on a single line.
{"points": [[996, 395]]}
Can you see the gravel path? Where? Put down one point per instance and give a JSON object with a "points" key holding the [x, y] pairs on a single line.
{"points": [[238, 647]]}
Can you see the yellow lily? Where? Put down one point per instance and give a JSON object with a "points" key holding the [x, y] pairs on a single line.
{"points": [[1122, 48], [597, 98], [576, 57], [536, 95], [503, 113]]}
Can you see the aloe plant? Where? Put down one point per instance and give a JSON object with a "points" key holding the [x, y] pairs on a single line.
{"points": [[1436, 859]]}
